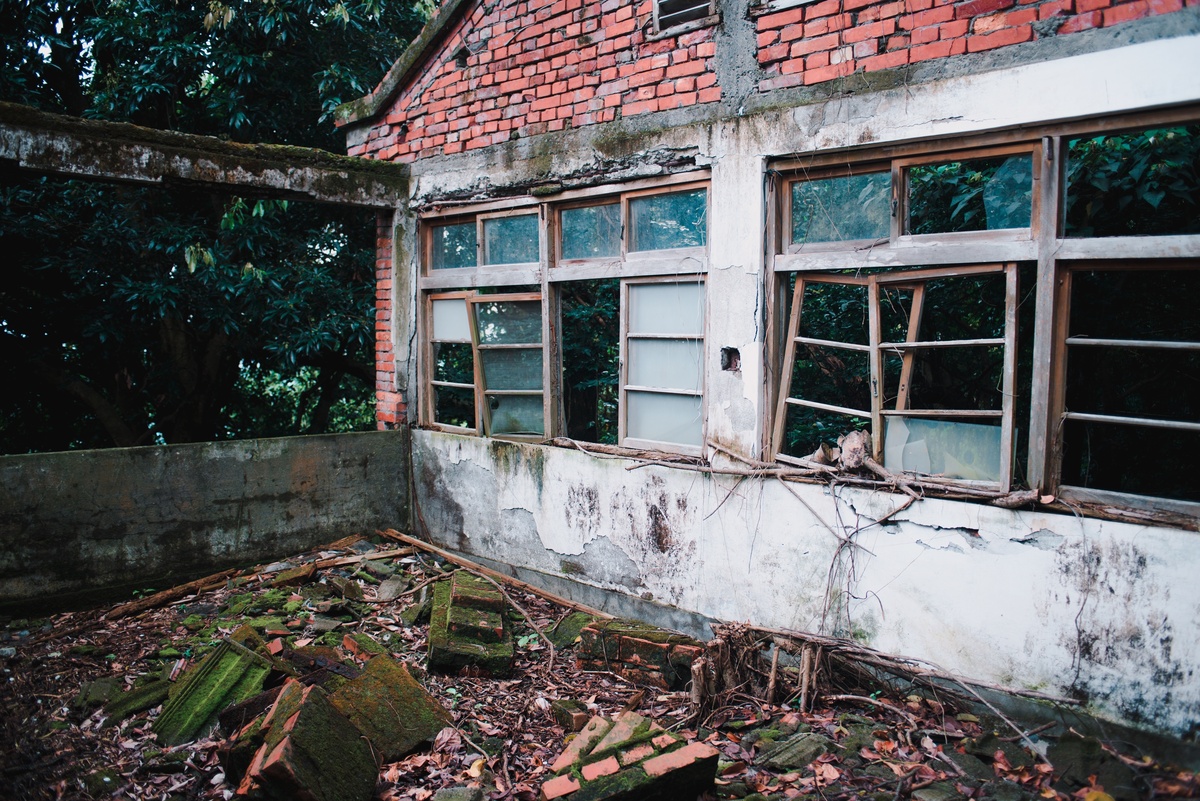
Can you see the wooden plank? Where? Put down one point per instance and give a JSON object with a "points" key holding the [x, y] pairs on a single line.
{"points": [[480, 277], [1146, 422], [785, 377], [984, 413], [174, 593], [1159, 344], [832, 343], [907, 361], [945, 251], [875, 378], [1183, 246], [900, 347], [1009, 380]]}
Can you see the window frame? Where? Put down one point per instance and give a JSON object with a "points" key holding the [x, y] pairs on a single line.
{"points": [[429, 385], [483, 408], [659, 31]]}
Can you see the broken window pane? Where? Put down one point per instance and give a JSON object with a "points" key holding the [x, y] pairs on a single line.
{"points": [[454, 406], [509, 322], [805, 429], [1132, 459], [450, 322], [1133, 184], [664, 417], [948, 448], [453, 362], [591, 336], [978, 195], [591, 232], [844, 208], [512, 368], [516, 414], [675, 220], [510, 240], [677, 12], [836, 312], [666, 363], [833, 376], [453, 246], [666, 308]]}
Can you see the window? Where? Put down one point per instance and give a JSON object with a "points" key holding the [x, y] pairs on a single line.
{"points": [[586, 318], [1005, 310], [678, 16]]}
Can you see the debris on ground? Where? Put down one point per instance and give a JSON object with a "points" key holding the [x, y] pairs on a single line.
{"points": [[311, 677]]}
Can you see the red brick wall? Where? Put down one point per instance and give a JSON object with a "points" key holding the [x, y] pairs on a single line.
{"points": [[389, 403], [542, 65], [832, 38]]}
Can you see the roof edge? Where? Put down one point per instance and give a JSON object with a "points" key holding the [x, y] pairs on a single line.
{"points": [[369, 106]]}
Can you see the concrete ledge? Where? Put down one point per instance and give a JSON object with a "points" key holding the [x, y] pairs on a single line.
{"points": [[75, 526]]}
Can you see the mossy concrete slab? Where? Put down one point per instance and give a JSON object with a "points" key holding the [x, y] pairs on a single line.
{"points": [[450, 652], [229, 674]]}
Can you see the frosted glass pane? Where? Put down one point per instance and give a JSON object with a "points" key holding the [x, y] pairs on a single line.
{"points": [[450, 321], [843, 208], [675, 220], [665, 418], [453, 246], [675, 308], [510, 240], [591, 232], [942, 447], [517, 414], [512, 369], [509, 322], [666, 363]]}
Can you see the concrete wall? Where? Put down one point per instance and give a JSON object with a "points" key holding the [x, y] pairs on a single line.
{"points": [[78, 522]]}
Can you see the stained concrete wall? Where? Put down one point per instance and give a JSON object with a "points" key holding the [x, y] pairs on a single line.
{"points": [[78, 523]]}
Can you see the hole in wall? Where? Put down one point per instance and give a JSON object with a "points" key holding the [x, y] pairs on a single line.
{"points": [[731, 360]]}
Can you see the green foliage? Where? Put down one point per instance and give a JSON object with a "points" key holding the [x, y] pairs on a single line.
{"points": [[136, 315], [591, 358]]}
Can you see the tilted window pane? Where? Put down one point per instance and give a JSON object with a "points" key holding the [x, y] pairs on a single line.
{"points": [[948, 448], [591, 232], [843, 208], [675, 220], [977, 195], [1133, 184], [517, 414], [450, 322], [669, 308], [666, 363], [509, 322], [453, 362], [516, 368], [453, 246], [510, 240], [664, 418], [454, 406]]}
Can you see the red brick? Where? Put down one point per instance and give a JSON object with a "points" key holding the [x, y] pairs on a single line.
{"points": [[558, 787], [1004, 38], [954, 30], [634, 754], [604, 767], [679, 758], [1081, 22], [1126, 12], [886, 61], [870, 31], [710, 95], [829, 73], [789, 17]]}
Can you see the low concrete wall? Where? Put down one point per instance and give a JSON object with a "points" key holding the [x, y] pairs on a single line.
{"points": [[78, 523]]}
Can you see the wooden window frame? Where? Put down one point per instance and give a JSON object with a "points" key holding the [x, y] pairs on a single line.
{"points": [[482, 393], [659, 31], [428, 383]]}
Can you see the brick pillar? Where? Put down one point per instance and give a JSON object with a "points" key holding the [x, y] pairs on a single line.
{"points": [[389, 401]]}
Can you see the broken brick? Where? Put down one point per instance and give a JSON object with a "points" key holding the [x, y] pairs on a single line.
{"points": [[558, 787], [362, 645], [623, 729], [571, 715], [694, 756], [480, 624], [602, 768], [473, 592], [592, 733], [229, 674]]}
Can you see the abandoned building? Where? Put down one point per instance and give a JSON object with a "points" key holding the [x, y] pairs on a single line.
{"points": [[643, 263], [708, 238]]}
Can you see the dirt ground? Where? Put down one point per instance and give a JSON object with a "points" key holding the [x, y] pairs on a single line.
{"points": [[55, 744]]}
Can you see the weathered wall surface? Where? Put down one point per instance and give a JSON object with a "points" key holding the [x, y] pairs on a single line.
{"points": [[73, 523], [1101, 611]]}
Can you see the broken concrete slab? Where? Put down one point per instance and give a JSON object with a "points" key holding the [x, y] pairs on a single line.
{"points": [[794, 752], [229, 674], [146, 696], [311, 753], [566, 632], [462, 636], [630, 759], [1075, 758], [638, 651], [390, 589], [391, 708]]}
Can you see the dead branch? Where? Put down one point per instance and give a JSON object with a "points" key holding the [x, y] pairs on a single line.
{"points": [[342, 561], [862, 699], [174, 593]]}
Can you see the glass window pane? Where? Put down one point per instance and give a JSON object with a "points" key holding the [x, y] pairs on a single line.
{"points": [[1134, 382], [948, 448], [591, 232], [510, 240], [454, 406], [453, 246], [675, 220], [453, 362], [842, 208], [666, 363], [515, 368], [664, 418], [977, 195], [509, 322], [450, 320], [672, 308], [1134, 183], [517, 414]]}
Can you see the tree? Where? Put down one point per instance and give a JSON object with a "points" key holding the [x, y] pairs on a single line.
{"points": [[135, 315]]}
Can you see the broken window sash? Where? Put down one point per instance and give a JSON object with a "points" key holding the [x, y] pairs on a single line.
{"points": [[450, 398], [662, 400], [591, 232], [1130, 367], [507, 336], [1139, 183], [833, 377], [841, 208], [668, 220]]}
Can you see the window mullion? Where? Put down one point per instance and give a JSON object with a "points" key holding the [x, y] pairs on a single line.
{"points": [[875, 367], [1047, 385]]}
